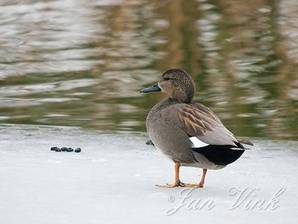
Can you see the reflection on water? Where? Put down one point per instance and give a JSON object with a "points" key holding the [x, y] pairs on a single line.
{"points": [[75, 62]]}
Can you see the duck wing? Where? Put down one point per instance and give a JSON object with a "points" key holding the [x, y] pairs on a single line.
{"points": [[203, 126]]}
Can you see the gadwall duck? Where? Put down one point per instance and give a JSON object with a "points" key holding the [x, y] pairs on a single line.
{"points": [[189, 133]]}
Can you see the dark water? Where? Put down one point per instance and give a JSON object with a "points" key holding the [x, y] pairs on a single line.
{"points": [[82, 62]]}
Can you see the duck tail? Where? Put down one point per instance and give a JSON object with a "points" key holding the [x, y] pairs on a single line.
{"points": [[245, 141]]}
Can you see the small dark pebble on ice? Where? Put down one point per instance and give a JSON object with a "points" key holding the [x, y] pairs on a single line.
{"points": [[69, 150], [54, 148], [149, 142], [78, 150], [58, 150], [64, 149]]}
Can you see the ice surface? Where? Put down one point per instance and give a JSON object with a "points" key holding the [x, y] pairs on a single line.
{"points": [[113, 181]]}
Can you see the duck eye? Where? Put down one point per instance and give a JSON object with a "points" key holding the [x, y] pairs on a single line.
{"points": [[166, 78]]}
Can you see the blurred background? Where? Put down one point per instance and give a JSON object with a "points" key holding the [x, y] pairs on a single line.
{"points": [[82, 62]]}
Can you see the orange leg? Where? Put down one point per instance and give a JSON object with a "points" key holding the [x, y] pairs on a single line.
{"points": [[177, 182], [201, 184], [202, 181]]}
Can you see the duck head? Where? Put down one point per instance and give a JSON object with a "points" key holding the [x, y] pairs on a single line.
{"points": [[176, 83]]}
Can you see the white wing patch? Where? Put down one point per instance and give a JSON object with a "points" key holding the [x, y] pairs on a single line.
{"points": [[197, 143]]}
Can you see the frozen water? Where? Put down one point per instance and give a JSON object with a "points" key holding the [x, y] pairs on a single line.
{"points": [[113, 181]]}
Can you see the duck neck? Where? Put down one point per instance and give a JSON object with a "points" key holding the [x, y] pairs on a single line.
{"points": [[182, 95], [181, 99]]}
